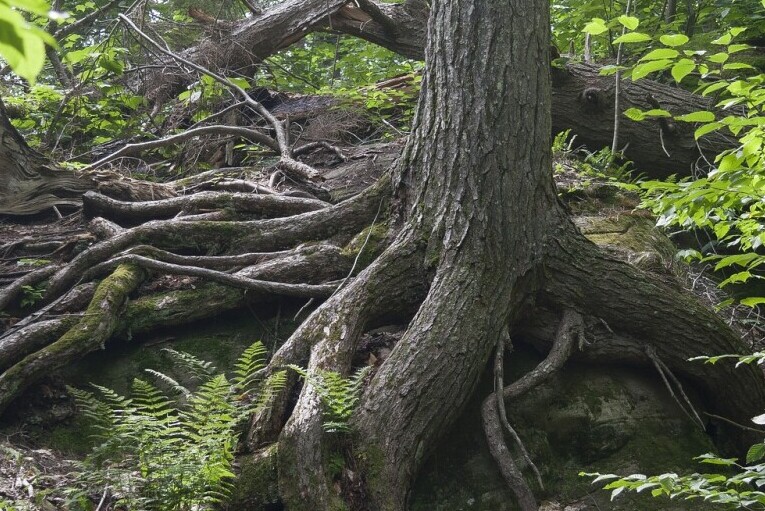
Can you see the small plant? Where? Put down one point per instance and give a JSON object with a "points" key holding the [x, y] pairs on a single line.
{"points": [[172, 449], [339, 395], [31, 295]]}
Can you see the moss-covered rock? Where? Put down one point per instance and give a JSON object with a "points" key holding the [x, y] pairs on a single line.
{"points": [[631, 237], [257, 485], [586, 419], [220, 341]]}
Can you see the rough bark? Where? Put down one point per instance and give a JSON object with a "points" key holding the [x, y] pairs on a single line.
{"points": [[474, 187], [27, 185], [583, 101], [30, 183], [484, 198]]}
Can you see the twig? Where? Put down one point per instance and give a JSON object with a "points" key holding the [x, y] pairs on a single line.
{"points": [[617, 90], [663, 371], [217, 129], [734, 423]]}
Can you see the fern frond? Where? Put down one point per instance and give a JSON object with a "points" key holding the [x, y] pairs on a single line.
{"points": [[252, 360], [271, 386], [196, 367], [95, 411], [170, 382], [149, 400]]}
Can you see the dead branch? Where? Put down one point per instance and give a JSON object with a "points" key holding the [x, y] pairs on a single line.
{"points": [[238, 131], [282, 137]]}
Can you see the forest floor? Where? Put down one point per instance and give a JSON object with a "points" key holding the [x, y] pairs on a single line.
{"points": [[29, 471]]}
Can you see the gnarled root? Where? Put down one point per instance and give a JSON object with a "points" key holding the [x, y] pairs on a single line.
{"points": [[392, 284], [90, 333], [493, 409]]}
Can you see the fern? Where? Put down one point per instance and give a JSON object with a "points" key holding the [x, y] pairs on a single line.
{"points": [[339, 395], [249, 364], [173, 452], [196, 368]]}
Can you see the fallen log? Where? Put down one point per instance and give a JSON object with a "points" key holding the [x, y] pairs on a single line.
{"points": [[583, 101]]}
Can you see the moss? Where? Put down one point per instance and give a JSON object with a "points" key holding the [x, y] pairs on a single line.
{"points": [[90, 333], [634, 236], [257, 484], [587, 419], [367, 245]]}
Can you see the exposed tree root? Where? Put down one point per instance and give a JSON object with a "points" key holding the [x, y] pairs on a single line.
{"points": [[331, 334], [10, 292], [236, 281], [644, 310], [570, 330], [267, 206], [90, 333], [347, 218], [20, 343]]}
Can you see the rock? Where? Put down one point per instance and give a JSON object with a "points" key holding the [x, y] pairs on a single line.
{"points": [[586, 419]]}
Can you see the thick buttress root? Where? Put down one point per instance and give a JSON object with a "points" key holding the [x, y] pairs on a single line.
{"points": [[392, 285]]}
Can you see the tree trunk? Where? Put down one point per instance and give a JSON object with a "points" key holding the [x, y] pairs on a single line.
{"points": [[27, 185], [479, 213], [583, 101], [30, 183]]}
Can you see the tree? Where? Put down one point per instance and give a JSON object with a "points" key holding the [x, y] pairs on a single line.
{"points": [[479, 216], [27, 185], [478, 243]]}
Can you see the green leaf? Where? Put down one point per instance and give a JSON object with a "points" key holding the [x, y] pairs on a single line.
{"points": [[21, 44], [673, 39], [734, 48], [755, 453], [700, 116], [630, 22], [39, 7], [595, 27], [735, 31], [736, 65], [683, 68], [753, 301], [659, 54], [737, 259], [718, 58], [635, 114], [632, 37], [707, 128], [714, 87], [642, 70], [725, 39]]}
